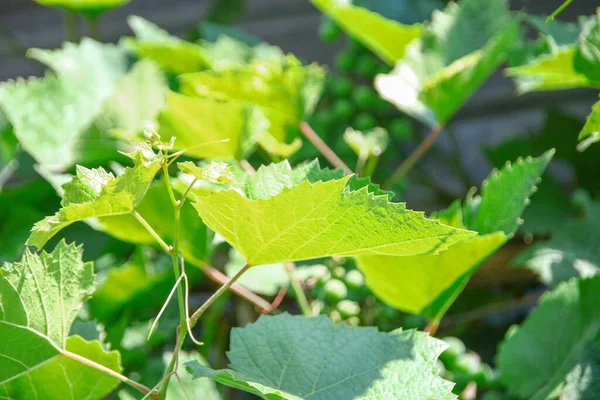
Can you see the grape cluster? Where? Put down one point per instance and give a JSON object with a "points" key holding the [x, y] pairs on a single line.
{"points": [[464, 367]]}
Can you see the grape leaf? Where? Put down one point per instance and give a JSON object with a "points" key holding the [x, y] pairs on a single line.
{"points": [[386, 38], [459, 50], [534, 360], [413, 284], [583, 381], [284, 89], [572, 251], [228, 52], [216, 172], [312, 220], [264, 279], [591, 130], [428, 284], [39, 299], [368, 144], [196, 121], [319, 360], [60, 376], [170, 52], [504, 196], [97, 193], [90, 7], [51, 114]]}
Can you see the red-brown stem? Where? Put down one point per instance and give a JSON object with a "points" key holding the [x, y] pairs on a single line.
{"points": [[414, 157], [329, 154]]}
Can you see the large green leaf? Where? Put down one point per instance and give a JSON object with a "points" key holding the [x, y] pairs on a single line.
{"points": [[293, 357], [572, 252], [51, 114], [196, 121], [170, 52], [583, 381], [505, 194], [97, 193], [284, 89], [91, 7], [459, 50], [428, 284], [386, 38], [535, 359], [591, 130], [39, 299], [312, 220]]}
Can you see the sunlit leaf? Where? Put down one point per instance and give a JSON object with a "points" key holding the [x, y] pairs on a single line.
{"points": [[264, 279], [90, 7]]}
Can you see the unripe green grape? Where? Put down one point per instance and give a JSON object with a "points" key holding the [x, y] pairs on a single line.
{"points": [[364, 122], [485, 376], [461, 380], [468, 363], [344, 109], [400, 129], [345, 61], [353, 321], [338, 272], [335, 290], [355, 279], [335, 316], [387, 312], [455, 349], [339, 86], [494, 395], [365, 97], [355, 46], [322, 120], [366, 65], [329, 31], [348, 308], [317, 306]]}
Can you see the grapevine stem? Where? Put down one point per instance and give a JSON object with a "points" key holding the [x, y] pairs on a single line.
{"points": [[165, 169], [107, 371], [196, 316], [217, 276], [329, 154], [70, 26], [94, 28], [151, 231], [414, 157], [298, 291]]}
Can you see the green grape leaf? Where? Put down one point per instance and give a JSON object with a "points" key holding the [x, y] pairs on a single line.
{"points": [[39, 300], [535, 360], [89, 7], [351, 362], [583, 381], [504, 196], [50, 114], [216, 172], [264, 279], [591, 130], [456, 54], [284, 89], [135, 104], [368, 144], [562, 33], [195, 122], [97, 193], [170, 52], [386, 38], [312, 220], [572, 251], [49, 289], [227, 52], [60, 375], [413, 284]]}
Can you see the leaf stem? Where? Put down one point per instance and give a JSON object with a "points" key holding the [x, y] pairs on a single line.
{"points": [[414, 157], [329, 154], [196, 316], [107, 371], [151, 231], [217, 276], [70, 26], [93, 25], [187, 191], [558, 10], [298, 291], [165, 169]]}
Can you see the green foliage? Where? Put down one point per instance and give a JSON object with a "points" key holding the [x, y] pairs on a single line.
{"points": [[456, 53], [303, 222], [534, 360], [591, 130], [387, 38], [39, 299], [264, 279], [90, 7], [353, 362]]}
